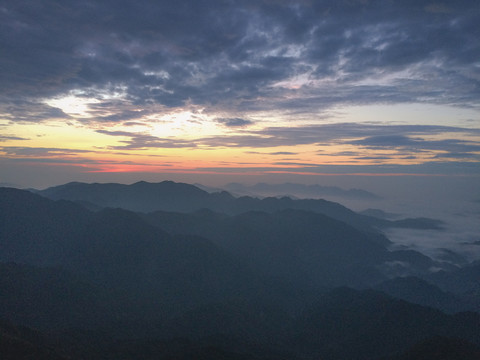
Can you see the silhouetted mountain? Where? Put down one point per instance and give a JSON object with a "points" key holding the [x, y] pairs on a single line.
{"points": [[179, 197], [141, 196], [119, 248], [302, 247], [349, 324], [418, 291], [115, 284], [116, 249], [178, 349], [298, 190], [38, 231], [248, 322], [441, 348], [411, 262], [420, 223], [22, 343], [464, 281], [51, 298], [451, 256]]}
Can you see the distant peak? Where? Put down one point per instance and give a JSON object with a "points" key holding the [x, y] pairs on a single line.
{"points": [[140, 182]]}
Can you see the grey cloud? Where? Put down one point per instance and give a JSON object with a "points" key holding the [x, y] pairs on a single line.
{"points": [[375, 136], [24, 110], [407, 142], [133, 123], [343, 153], [235, 122], [143, 141], [40, 151], [283, 153], [387, 141], [374, 157], [116, 133], [230, 54], [121, 116], [291, 163], [272, 153], [9, 137], [456, 155], [81, 160]]}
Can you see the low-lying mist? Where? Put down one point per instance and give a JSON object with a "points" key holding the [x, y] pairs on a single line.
{"points": [[453, 200]]}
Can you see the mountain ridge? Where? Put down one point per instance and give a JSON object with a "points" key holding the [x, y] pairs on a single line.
{"points": [[113, 283], [180, 197]]}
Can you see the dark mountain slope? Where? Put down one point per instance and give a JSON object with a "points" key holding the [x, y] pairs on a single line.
{"points": [[244, 322], [141, 196], [418, 291], [441, 348], [301, 247], [179, 197], [116, 249], [51, 298], [465, 280], [36, 230], [124, 251], [159, 283], [349, 324], [21, 343]]}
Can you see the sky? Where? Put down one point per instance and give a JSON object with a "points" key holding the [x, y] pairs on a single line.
{"points": [[219, 91]]}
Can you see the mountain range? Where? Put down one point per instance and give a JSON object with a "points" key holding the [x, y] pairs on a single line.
{"points": [[104, 271], [179, 197], [292, 189]]}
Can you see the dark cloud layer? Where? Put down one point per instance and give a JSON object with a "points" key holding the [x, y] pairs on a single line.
{"points": [[408, 137], [405, 140], [240, 55]]}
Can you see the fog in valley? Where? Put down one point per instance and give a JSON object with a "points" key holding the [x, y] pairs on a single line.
{"points": [[453, 200]]}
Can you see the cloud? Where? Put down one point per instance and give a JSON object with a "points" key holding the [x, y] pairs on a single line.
{"points": [[283, 153], [374, 157], [277, 65], [452, 146], [454, 155], [387, 141], [8, 138], [133, 123], [40, 151], [143, 141], [371, 136], [240, 56], [25, 110], [235, 122]]}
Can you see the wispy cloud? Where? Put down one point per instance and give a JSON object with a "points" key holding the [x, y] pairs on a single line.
{"points": [[41, 151], [7, 137], [406, 137], [142, 141], [234, 122]]}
